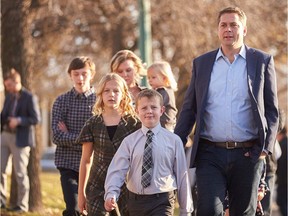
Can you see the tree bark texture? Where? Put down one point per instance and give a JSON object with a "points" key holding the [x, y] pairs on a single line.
{"points": [[17, 51]]}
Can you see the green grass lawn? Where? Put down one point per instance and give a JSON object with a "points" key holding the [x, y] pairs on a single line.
{"points": [[52, 198]]}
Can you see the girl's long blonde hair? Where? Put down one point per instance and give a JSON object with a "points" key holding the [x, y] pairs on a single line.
{"points": [[164, 69], [126, 101]]}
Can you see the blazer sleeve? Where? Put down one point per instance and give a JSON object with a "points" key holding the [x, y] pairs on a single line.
{"points": [[270, 105], [33, 112], [188, 113]]}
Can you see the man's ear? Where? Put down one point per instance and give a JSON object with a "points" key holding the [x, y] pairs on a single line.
{"points": [[245, 31]]}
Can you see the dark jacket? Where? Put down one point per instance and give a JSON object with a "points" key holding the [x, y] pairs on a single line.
{"points": [[27, 110], [261, 79]]}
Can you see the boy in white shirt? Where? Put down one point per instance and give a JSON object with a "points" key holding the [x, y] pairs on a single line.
{"points": [[152, 184]]}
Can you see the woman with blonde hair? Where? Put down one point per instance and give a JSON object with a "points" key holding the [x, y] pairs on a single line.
{"points": [[114, 118], [129, 66]]}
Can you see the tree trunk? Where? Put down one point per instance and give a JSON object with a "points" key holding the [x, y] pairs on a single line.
{"points": [[34, 175], [18, 52], [11, 35]]}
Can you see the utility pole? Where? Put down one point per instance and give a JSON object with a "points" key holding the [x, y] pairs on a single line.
{"points": [[145, 41]]}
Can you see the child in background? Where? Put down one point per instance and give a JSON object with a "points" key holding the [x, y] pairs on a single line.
{"points": [[161, 79], [69, 113], [114, 119], [154, 167]]}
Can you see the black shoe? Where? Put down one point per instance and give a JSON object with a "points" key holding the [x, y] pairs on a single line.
{"points": [[3, 206], [16, 209]]}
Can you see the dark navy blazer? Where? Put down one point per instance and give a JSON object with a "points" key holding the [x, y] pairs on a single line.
{"points": [[28, 110], [261, 79]]}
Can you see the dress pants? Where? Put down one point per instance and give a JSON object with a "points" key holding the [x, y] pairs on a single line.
{"points": [[221, 170], [161, 204], [69, 182], [20, 159]]}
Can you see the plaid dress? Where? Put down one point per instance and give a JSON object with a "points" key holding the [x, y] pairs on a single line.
{"points": [[104, 149]]}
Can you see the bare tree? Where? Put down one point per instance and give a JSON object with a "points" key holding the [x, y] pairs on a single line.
{"points": [[17, 52]]}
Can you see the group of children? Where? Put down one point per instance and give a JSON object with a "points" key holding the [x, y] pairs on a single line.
{"points": [[113, 140]]}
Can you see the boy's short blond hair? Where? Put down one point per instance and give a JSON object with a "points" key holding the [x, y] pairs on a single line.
{"points": [[149, 93]]}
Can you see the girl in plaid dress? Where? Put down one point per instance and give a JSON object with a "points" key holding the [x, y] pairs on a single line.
{"points": [[114, 118]]}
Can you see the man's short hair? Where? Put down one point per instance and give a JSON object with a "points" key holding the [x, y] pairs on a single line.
{"points": [[12, 74], [236, 10]]}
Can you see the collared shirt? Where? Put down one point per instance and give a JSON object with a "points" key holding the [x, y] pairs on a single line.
{"points": [[73, 109], [169, 167], [228, 113]]}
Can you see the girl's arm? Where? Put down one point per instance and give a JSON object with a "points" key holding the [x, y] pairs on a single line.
{"points": [[85, 164]]}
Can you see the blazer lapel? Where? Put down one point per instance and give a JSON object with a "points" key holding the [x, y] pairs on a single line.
{"points": [[205, 77], [251, 60], [21, 99]]}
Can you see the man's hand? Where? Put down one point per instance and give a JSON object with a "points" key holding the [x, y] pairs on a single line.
{"points": [[13, 122]]}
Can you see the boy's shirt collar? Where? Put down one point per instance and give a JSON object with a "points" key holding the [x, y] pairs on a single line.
{"points": [[155, 130], [84, 94]]}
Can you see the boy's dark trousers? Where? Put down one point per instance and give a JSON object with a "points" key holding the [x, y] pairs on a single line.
{"points": [[161, 204], [69, 182]]}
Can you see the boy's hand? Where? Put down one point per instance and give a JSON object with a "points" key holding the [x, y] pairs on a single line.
{"points": [[261, 195], [62, 127], [110, 204]]}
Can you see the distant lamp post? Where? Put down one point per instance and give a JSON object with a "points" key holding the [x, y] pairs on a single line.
{"points": [[145, 41]]}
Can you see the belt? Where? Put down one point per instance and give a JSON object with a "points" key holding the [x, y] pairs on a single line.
{"points": [[230, 144], [134, 196]]}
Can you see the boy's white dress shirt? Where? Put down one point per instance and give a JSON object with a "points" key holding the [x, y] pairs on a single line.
{"points": [[169, 169]]}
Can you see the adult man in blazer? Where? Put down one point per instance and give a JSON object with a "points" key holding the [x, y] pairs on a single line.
{"points": [[19, 115], [232, 98]]}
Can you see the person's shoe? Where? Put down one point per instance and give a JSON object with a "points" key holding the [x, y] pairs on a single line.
{"points": [[3, 206], [16, 209]]}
